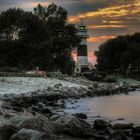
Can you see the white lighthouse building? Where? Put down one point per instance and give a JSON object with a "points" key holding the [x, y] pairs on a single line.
{"points": [[82, 50]]}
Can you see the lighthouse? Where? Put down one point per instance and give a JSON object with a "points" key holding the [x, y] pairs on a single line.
{"points": [[82, 49]]}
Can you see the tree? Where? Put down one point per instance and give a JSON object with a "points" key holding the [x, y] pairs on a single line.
{"points": [[41, 38], [9, 23], [119, 54]]}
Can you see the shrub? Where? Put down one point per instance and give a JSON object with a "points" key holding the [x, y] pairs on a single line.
{"points": [[110, 79], [9, 69]]}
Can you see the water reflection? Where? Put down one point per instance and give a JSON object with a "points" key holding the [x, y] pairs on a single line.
{"points": [[109, 107]]}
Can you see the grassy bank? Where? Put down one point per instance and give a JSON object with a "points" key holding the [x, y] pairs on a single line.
{"points": [[15, 74], [127, 80]]}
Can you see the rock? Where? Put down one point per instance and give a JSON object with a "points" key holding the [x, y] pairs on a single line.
{"points": [[88, 133], [121, 119], [110, 130], [1, 113], [16, 120], [28, 134], [58, 86], [18, 109], [136, 133], [40, 123], [81, 115], [122, 126], [71, 125], [41, 110], [7, 131], [46, 111], [128, 132], [72, 90], [101, 124], [8, 115], [64, 137], [101, 137], [54, 117], [119, 135]]}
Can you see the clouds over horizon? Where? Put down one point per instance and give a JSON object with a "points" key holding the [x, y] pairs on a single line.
{"points": [[105, 19]]}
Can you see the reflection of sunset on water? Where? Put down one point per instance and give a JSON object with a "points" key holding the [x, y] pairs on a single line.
{"points": [[111, 108]]}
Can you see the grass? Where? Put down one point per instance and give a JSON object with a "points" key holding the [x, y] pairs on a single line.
{"points": [[15, 74], [127, 80]]}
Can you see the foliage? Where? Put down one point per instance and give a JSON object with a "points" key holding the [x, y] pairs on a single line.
{"points": [[9, 69], [17, 74], [120, 55], [110, 79], [40, 38]]}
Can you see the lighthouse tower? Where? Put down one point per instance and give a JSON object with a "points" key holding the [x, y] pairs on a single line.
{"points": [[82, 50]]}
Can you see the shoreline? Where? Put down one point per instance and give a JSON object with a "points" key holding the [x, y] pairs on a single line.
{"points": [[26, 113]]}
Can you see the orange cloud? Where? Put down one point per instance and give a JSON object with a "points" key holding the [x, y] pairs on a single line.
{"points": [[100, 38], [30, 4], [111, 21], [34, 4], [111, 12], [115, 11], [105, 26], [73, 19]]}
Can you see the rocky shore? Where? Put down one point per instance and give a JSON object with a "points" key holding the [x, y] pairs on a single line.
{"points": [[30, 116], [56, 89], [39, 123]]}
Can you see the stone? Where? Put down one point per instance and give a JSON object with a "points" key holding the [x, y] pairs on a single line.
{"points": [[81, 115], [16, 120], [136, 133], [41, 109], [58, 86], [27, 134], [119, 135], [110, 130], [40, 123], [88, 133], [122, 126], [7, 131], [128, 132], [71, 125], [46, 111], [18, 109], [101, 124]]}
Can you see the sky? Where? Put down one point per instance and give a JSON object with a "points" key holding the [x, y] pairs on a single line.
{"points": [[104, 19]]}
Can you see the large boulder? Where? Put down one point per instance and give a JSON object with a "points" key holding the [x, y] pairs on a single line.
{"points": [[81, 115], [71, 125], [101, 124], [16, 120], [7, 131], [122, 126], [28, 134], [136, 133], [40, 123], [119, 135]]}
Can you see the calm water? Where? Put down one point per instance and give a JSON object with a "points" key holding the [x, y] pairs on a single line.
{"points": [[112, 108]]}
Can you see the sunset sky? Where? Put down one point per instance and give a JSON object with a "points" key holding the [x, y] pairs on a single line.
{"points": [[105, 19]]}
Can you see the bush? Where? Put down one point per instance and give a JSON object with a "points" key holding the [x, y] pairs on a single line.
{"points": [[98, 78], [9, 69], [110, 79], [104, 74], [14, 74]]}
